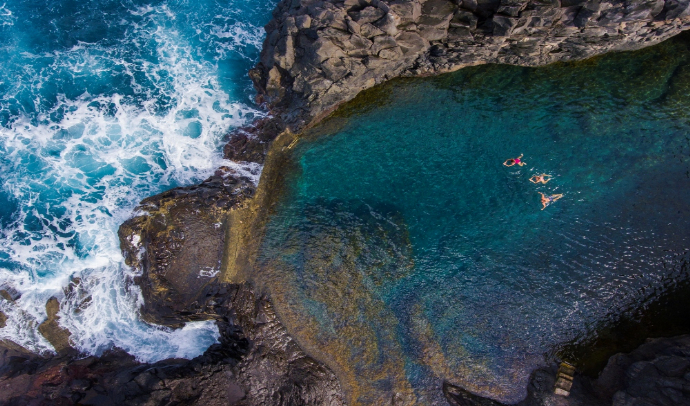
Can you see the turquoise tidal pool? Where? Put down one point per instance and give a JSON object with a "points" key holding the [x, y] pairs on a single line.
{"points": [[403, 253]]}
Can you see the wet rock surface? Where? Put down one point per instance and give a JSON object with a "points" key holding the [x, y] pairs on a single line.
{"points": [[655, 374], [176, 241], [257, 363], [540, 392], [51, 330]]}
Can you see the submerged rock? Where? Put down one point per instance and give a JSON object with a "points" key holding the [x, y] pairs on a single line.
{"points": [[317, 55], [341, 253]]}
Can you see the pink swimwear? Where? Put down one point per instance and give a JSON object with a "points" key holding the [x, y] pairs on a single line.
{"points": [[517, 160]]}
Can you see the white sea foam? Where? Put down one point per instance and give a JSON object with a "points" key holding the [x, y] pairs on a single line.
{"points": [[79, 168], [208, 272], [6, 17], [240, 34]]}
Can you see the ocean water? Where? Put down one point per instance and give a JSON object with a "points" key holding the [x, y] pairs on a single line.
{"points": [[104, 103], [403, 253]]}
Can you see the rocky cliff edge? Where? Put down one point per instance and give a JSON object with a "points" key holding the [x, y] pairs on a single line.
{"points": [[320, 53]]}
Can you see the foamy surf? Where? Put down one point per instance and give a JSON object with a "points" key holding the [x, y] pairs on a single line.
{"points": [[152, 116]]}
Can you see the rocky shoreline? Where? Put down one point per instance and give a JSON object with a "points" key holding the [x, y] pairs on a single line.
{"points": [[255, 363], [319, 54]]}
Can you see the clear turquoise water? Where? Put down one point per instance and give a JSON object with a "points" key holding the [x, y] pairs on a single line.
{"points": [[104, 103], [404, 253]]}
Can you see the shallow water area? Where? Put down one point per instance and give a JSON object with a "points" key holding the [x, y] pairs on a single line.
{"points": [[102, 104], [403, 253]]}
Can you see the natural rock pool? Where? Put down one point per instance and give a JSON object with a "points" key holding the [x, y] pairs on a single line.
{"points": [[403, 253]]}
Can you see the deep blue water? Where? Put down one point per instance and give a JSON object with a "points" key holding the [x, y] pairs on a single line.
{"points": [[104, 103], [403, 253]]}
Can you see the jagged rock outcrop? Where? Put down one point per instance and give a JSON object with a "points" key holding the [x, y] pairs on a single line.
{"points": [[321, 53], [255, 363], [317, 55], [655, 374], [177, 242]]}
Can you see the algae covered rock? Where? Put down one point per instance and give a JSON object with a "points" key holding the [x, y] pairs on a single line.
{"points": [[51, 330], [176, 242]]}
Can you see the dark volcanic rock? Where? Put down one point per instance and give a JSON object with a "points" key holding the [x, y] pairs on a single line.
{"points": [[250, 144], [256, 363], [317, 55], [321, 53], [176, 241], [540, 392], [656, 373]]}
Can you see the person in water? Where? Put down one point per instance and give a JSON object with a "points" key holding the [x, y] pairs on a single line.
{"points": [[540, 178], [513, 161], [547, 200]]}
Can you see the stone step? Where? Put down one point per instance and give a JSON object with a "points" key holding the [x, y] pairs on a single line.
{"points": [[564, 379]]}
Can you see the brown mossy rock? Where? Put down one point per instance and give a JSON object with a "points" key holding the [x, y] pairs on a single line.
{"points": [[57, 336], [250, 144], [176, 241]]}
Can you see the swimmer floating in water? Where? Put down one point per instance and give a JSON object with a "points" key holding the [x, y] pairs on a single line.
{"points": [[540, 178], [547, 200], [511, 161]]}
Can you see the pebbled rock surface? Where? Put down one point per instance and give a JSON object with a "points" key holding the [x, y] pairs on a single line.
{"points": [[321, 53]]}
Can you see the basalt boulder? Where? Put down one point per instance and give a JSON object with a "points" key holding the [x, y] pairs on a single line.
{"points": [[176, 240], [656, 373]]}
